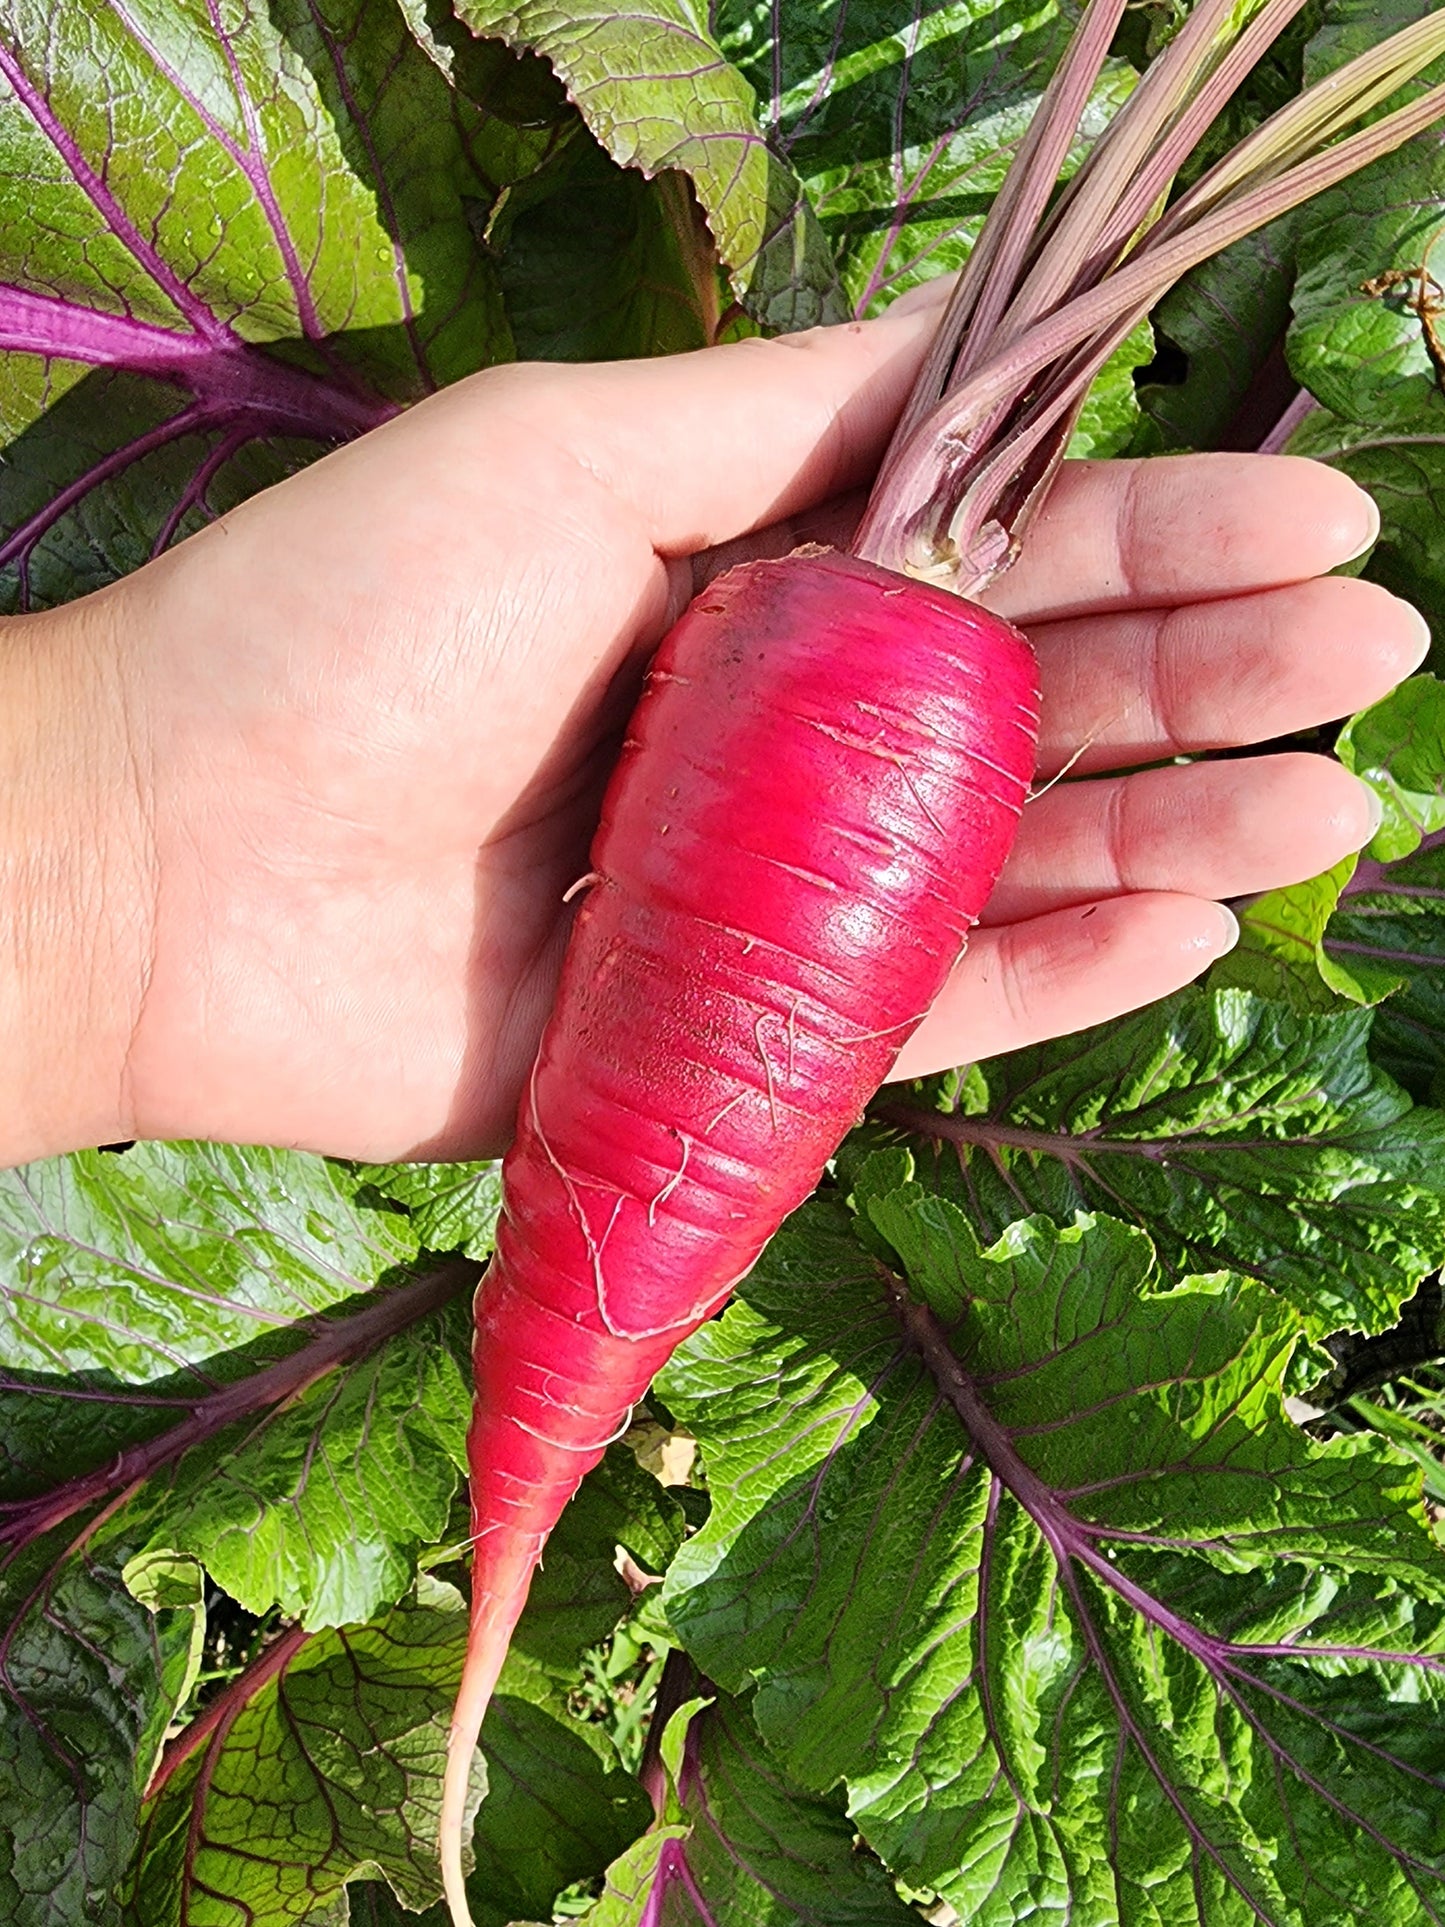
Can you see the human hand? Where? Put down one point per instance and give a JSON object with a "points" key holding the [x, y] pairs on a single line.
{"points": [[359, 730]]}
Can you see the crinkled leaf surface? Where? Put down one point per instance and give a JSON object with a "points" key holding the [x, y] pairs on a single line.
{"points": [[88, 1673], [327, 1765], [1398, 747], [319, 1506], [148, 1299], [1241, 1133], [330, 1763], [658, 93], [1365, 356], [232, 236], [745, 1845], [1391, 924], [1281, 951], [972, 1536], [89, 1681], [453, 1207], [141, 1265]]}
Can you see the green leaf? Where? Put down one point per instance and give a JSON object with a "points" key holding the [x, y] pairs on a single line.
{"points": [[1366, 358], [1390, 926], [325, 1765], [748, 1847], [1240, 1133], [629, 1895], [610, 265], [1281, 953], [321, 1505], [558, 1808], [1366, 355], [1403, 467], [577, 1594], [92, 1679], [245, 234], [1026, 1555], [901, 124], [1398, 748], [1227, 317], [657, 93], [1110, 414], [140, 1265], [1387, 930], [454, 1207]]}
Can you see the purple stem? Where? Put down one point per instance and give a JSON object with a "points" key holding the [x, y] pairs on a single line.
{"points": [[192, 420], [339, 1341], [1074, 1546], [680, 1682], [1372, 875], [1303, 405], [1070, 1539], [673, 1871], [235, 375], [252, 164], [108, 207], [194, 493], [43, 324], [220, 1716]]}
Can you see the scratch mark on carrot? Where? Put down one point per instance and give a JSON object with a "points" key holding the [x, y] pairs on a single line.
{"points": [[672, 1183], [767, 1065], [731, 1105]]}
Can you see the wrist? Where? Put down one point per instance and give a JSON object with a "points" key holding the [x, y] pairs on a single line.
{"points": [[76, 883]]}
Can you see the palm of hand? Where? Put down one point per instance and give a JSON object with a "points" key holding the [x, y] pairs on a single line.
{"points": [[374, 710]]}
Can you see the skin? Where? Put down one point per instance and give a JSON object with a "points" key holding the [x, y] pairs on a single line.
{"points": [[290, 812]]}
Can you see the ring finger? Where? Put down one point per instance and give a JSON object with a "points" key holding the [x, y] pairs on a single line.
{"points": [[1221, 829]]}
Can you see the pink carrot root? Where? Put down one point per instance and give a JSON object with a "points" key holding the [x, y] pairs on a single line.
{"points": [[821, 783]]}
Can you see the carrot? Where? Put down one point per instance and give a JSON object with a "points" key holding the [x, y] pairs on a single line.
{"points": [[782, 889], [819, 788]]}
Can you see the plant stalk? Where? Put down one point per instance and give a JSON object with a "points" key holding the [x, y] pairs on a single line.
{"points": [[340, 1341], [1043, 303]]}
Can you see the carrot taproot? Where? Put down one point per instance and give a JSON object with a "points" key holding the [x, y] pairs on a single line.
{"points": [[819, 787]]}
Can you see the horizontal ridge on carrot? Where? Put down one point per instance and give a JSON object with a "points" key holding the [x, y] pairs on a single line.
{"points": [[817, 792]]}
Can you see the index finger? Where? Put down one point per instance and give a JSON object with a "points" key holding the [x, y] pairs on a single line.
{"points": [[1182, 528], [705, 447]]}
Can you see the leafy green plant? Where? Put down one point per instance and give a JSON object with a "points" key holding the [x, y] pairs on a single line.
{"points": [[1003, 1580]]}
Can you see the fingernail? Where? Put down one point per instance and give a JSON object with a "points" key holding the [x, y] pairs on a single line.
{"points": [[1369, 527], [1229, 929], [1421, 628]]}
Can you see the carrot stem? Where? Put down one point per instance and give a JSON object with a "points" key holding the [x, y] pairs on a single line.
{"points": [[956, 491]]}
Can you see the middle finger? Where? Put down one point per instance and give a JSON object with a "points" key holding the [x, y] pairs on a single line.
{"points": [[1140, 685]]}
